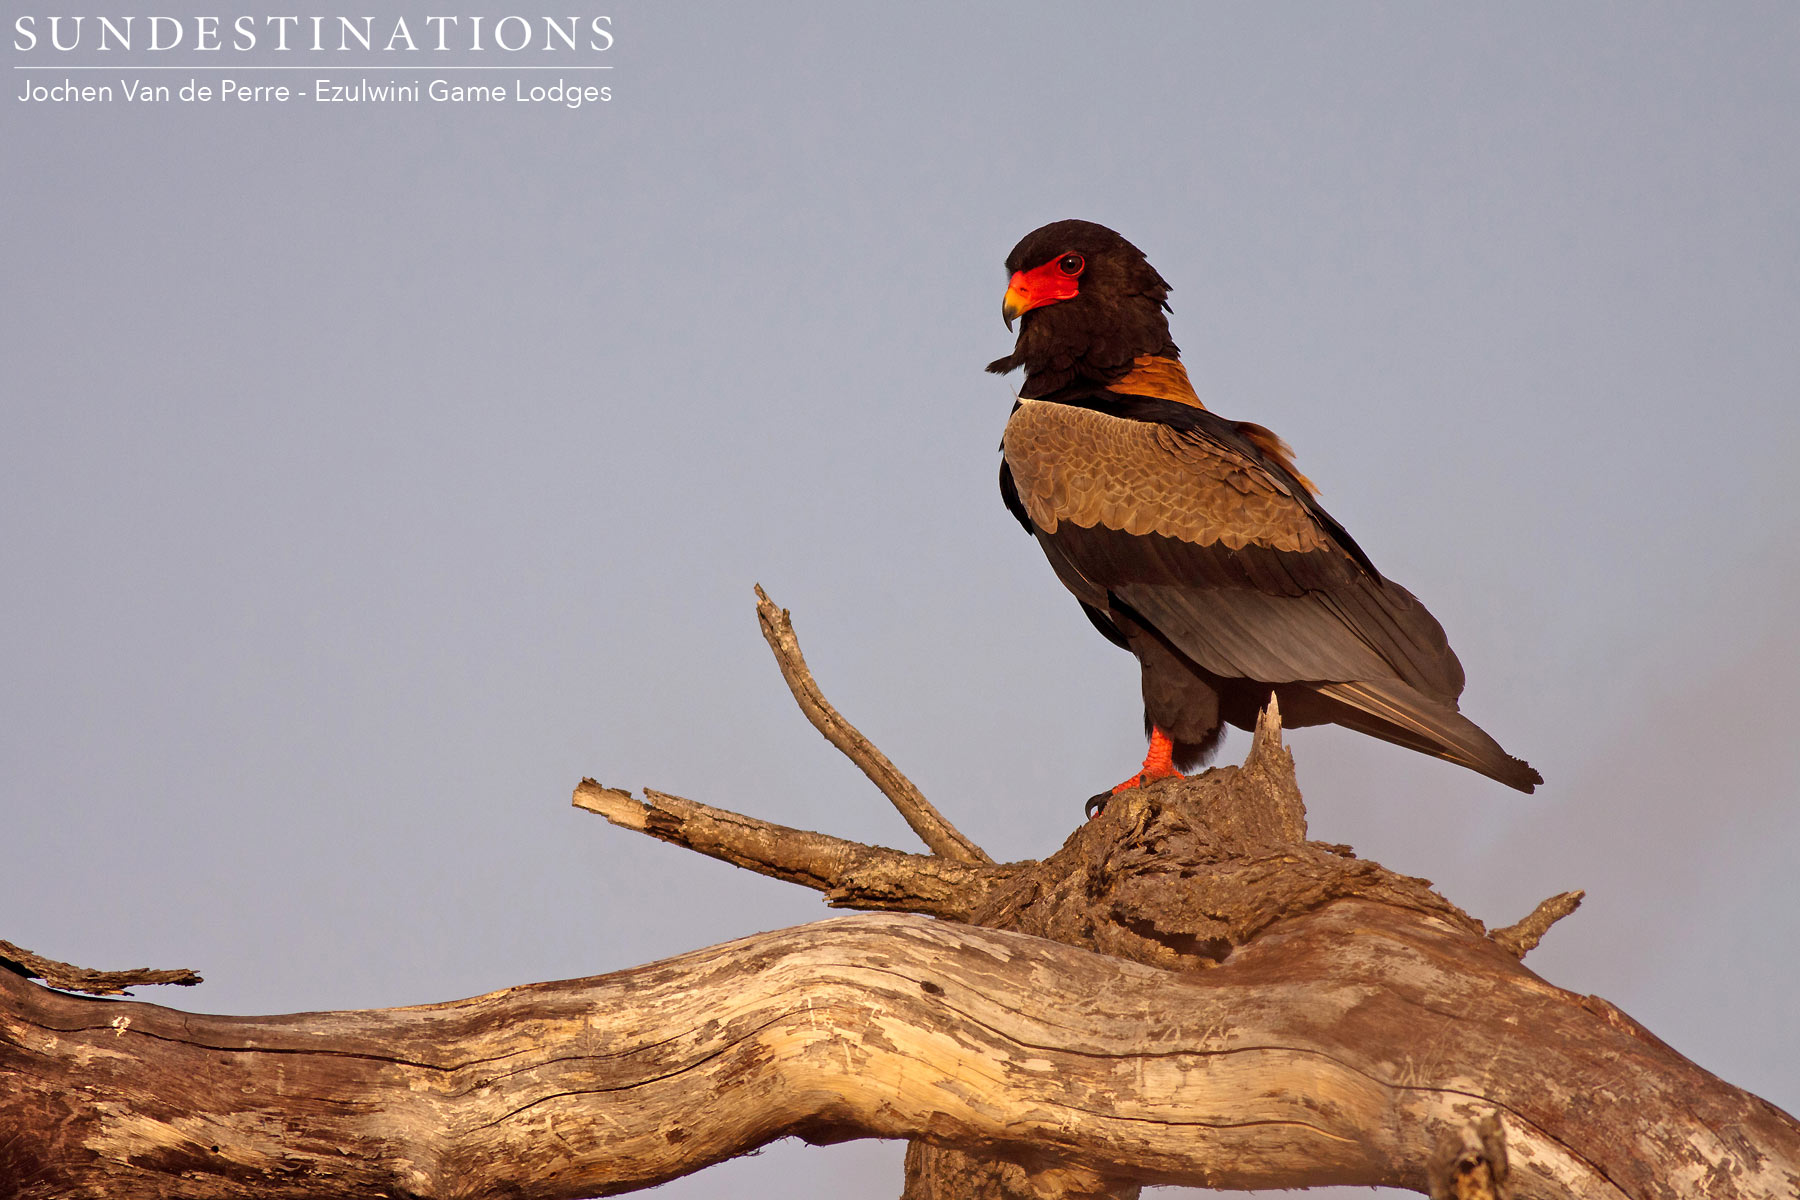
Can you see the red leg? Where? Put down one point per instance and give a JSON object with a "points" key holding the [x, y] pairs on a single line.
{"points": [[1159, 763]]}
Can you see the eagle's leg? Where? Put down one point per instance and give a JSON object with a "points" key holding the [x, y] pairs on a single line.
{"points": [[1159, 763]]}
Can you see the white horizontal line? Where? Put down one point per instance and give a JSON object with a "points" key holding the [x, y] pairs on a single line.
{"points": [[375, 70]]}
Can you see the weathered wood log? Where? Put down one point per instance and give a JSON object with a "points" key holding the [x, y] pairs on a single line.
{"points": [[1335, 1048]]}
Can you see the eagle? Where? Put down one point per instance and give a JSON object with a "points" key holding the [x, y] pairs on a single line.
{"points": [[1193, 541]]}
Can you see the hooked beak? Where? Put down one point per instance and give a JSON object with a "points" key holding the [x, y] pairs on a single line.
{"points": [[1016, 301]]}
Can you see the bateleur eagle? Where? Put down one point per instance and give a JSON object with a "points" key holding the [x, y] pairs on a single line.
{"points": [[1192, 540]]}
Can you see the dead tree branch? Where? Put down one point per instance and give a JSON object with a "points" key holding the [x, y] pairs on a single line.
{"points": [[71, 978], [851, 874], [933, 829]]}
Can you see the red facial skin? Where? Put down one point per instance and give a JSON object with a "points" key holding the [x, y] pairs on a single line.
{"points": [[1046, 284]]}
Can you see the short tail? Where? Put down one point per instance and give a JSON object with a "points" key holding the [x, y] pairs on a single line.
{"points": [[1394, 712]]}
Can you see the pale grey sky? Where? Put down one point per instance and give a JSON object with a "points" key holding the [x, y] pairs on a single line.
{"points": [[374, 473]]}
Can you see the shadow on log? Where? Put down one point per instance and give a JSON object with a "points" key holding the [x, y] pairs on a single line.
{"points": [[1188, 992]]}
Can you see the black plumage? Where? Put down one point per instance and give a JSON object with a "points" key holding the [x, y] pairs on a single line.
{"points": [[1096, 335]]}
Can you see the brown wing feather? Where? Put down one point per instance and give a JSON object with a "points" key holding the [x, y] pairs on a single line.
{"points": [[1214, 551], [1090, 468]]}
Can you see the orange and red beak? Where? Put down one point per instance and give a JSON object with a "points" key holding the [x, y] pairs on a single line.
{"points": [[1035, 288]]}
